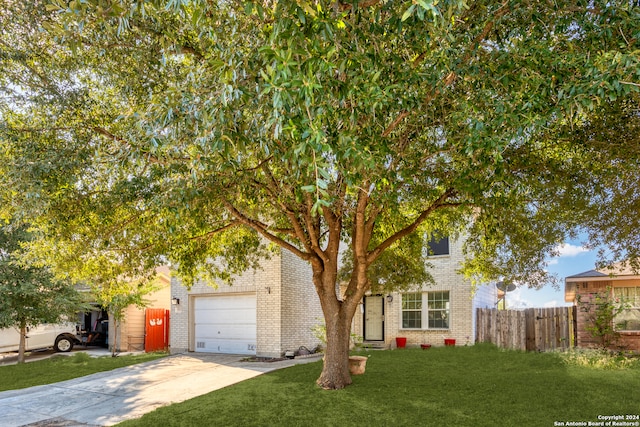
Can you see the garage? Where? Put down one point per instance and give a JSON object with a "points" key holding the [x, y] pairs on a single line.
{"points": [[225, 324]]}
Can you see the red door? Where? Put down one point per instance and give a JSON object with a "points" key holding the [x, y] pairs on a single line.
{"points": [[156, 329]]}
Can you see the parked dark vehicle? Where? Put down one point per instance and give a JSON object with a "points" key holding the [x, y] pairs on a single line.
{"points": [[99, 336]]}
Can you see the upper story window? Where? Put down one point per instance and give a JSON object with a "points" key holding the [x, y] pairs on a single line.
{"points": [[438, 246]]}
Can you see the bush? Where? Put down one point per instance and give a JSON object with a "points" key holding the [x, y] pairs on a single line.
{"points": [[601, 310], [81, 357], [598, 359]]}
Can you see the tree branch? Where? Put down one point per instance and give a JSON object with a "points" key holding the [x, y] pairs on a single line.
{"points": [[208, 234], [440, 202], [450, 78], [313, 229], [273, 188], [263, 230]]}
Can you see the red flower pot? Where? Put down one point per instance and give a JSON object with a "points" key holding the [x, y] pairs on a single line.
{"points": [[449, 342], [401, 342]]}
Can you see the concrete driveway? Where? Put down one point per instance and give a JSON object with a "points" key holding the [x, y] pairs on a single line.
{"points": [[107, 398]]}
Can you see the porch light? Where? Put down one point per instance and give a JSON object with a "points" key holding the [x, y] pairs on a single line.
{"points": [[389, 298], [175, 301]]}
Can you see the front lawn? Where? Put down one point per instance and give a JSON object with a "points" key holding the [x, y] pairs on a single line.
{"points": [[461, 386], [61, 368]]}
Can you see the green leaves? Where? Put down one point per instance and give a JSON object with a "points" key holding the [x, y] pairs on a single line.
{"points": [[191, 117], [31, 294]]}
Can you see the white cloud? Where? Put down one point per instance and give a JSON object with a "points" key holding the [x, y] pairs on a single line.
{"points": [[515, 299], [568, 250], [552, 303]]}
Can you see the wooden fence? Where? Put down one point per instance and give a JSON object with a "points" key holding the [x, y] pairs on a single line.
{"points": [[532, 329]]}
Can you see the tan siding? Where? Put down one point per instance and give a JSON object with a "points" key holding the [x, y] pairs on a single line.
{"points": [[131, 329]]}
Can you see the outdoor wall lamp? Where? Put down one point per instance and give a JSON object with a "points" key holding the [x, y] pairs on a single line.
{"points": [[389, 298], [175, 301]]}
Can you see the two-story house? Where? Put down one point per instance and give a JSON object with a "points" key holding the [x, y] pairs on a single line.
{"points": [[273, 310]]}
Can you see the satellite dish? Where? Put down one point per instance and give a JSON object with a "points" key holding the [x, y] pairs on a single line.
{"points": [[505, 286]]}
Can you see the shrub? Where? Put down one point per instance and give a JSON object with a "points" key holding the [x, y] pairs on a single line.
{"points": [[601, 310]]}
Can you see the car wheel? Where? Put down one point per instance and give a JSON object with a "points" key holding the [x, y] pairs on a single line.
{"points": [[63, 344]]}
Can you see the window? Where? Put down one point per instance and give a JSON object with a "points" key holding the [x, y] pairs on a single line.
{"points": [[629, 319], [438, 246], [438, 310], [412, 311], [430, 309]]}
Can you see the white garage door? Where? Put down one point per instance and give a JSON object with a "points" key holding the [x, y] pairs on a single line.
{"points": [[225, 324]]}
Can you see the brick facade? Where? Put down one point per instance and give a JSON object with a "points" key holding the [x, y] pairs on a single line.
{"points": [[286, 301], [288, 306], [463, 300], [582, 288]]}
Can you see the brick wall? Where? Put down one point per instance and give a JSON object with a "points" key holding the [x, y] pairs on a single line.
{"points": [[583, 291], [462, 318], [179, 318], [287, 306], [269, 316], [301, 309], [628, 340]]}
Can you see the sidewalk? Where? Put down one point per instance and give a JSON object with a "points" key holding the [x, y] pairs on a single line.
{"points": [[107, 398]]}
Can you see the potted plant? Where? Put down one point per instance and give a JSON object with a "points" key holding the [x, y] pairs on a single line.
{"points": [[357, 364]]}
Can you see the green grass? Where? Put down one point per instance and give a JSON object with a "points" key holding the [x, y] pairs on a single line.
{"points": [[462, 386], [61, 368]]}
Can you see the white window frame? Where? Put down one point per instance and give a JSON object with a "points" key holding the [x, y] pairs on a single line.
{"points": [[424, 310], [631, 297]]}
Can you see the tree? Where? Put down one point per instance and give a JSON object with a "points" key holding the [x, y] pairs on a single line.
{"points": [[200, 130], [117, 295], [31, 295]]}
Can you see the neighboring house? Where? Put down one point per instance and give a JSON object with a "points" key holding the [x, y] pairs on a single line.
{"points": [[132, 330], [621, 283], [266, 313], [430, 313]]}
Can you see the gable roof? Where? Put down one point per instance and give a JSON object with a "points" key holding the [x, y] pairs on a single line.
{"points": [[615, 272], [590, 273]]}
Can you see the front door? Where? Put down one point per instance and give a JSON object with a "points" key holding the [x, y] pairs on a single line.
{"points": [[374, 318]]}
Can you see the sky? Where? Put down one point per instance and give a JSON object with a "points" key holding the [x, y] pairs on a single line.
{"points": [[573, 259]]}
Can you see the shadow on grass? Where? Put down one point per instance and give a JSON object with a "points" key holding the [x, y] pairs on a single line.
{"points": [[462, 386]]}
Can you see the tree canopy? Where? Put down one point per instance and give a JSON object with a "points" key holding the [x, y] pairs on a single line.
{"points": [[135, 132], [31, 295]]}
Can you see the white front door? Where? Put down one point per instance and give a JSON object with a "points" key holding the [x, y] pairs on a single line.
{"points": [[374, 318], [225, 324]]}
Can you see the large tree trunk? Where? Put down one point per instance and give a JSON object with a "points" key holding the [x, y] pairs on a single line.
{"points": [[335, 371], [338, 314], [23, 343]]}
